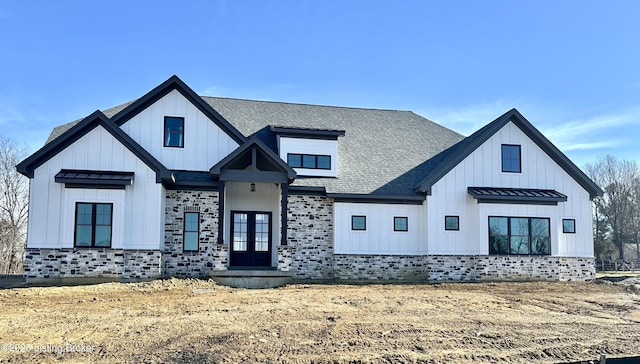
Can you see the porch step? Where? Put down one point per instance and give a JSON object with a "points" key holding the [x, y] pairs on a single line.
{"points": [[251, 278]]}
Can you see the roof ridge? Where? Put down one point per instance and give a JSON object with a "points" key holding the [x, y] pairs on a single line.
{"points": [[306, 104]]}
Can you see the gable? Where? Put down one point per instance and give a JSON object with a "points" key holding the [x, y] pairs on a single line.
{"points": [[511, 128], [102, 149], [205, 142]]}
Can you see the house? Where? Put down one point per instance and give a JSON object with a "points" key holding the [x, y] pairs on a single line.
{"points": [[177, 184]]}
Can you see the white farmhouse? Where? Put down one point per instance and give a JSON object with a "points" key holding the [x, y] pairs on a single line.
{"points": [[176, 184]]}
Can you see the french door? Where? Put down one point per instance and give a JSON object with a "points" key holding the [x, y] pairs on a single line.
{"points": [[250, 239]]}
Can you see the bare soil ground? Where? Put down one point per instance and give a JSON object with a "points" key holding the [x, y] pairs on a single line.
{"points": [[187, 321]]}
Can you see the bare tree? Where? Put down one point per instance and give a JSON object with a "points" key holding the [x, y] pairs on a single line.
{"points": [[617, 208], [14, 201]]}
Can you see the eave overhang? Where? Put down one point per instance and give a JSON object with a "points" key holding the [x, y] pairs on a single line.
{"points": [[73, 178], [307, 133]]}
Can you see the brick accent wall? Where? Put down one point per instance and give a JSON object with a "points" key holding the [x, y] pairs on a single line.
{"points": [[107, 263], [310, 236], [465, 268], [210, 255]]}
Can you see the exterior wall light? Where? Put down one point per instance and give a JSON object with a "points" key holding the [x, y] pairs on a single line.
{"points": [[253, 187]]}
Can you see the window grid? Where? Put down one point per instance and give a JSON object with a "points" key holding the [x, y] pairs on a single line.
{"points": [[511, 158], [309, 161], [191, 231], [93, 225], [519, 235]]}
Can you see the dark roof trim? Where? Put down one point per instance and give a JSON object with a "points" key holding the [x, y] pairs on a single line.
{"points": [[175, 83], [97, 118], [382, 199], [192, 180], [307, 190], [527, 196], [307, 133], [72, 177], [464, 148], [285, 168]]}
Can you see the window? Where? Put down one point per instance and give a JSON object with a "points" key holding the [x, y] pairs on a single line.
{"points": [[569, 226], [310, 161], [511, 158], [93, 225], [358, 223], [191, 231], [173, 132], [400, 223], [519, 235], [452, 223]]}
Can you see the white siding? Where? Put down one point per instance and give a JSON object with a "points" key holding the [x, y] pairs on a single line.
{"points": [[379, 238], [205, 144], [137, 216], [483, 168], [311, 146], [266, 198]]}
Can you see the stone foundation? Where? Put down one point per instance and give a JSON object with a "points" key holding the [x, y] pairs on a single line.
{"points": [[95, 263], [310, 236], [380, 267]]}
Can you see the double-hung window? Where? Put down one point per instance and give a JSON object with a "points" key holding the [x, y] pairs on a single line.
{"points": [[519, 236], [93, 225], [191, 231]]}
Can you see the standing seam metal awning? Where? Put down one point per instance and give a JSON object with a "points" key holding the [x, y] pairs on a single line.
{"points": [[94, 179], [516, 195]]}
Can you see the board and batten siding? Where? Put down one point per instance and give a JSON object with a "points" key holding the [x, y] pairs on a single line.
{"points": [[205, 144], [314, 147], [138, 217], [379, 237], [483, 168]]}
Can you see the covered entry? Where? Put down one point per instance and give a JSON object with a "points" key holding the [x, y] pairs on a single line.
{"points": [[253, 185]]}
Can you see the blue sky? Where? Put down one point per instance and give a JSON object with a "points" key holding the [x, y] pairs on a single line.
{"points": [[571, 67]]}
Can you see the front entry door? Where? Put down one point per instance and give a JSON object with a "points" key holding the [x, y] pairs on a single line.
{"points": [[250, 239]]}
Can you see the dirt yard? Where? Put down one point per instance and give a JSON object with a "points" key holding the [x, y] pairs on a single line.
{"points": [[197, 321]]}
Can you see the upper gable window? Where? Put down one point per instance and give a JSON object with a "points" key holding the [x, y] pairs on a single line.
{"points": [[511, 161], [310, 161], [174, 131]]}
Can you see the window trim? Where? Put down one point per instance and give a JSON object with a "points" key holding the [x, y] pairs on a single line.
{"points": [[184, 231], [395, 227], [315, 158], [457, 217], [164, 139], [567, 231], [504, 170], [93, 225], [365, 222], [529, 218]]}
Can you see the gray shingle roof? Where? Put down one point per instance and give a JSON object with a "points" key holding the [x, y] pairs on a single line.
{"points": [[382, 152]]}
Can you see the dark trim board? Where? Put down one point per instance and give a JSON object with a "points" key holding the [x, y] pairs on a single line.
{"points": [[307, 133], [382, 199]]}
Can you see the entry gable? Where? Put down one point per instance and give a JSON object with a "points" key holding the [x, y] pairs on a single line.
{"points": [[28, 166], [253, 161], [175, 83], [451, 157]]}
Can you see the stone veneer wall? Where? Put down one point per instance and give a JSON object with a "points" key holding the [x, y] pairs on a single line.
{"points": [[104, 263], [310, 237], [462, 268], [210, 255]]}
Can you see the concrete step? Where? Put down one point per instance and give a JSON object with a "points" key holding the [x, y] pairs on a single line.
{"points": [[251, 278]]}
